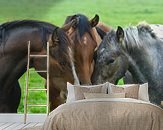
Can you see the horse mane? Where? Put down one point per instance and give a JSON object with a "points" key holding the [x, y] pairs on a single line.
{"points": [[83, 24], [64, 44], [110, 37], [44, 28], [140, 36], [64, 41]]}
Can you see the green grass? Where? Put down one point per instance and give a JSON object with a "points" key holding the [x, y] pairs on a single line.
{"points": [[112, 12], [35, 97]]}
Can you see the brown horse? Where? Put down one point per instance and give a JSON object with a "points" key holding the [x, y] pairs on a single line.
{"points": [[14, 37], [85, 40], [104, 27]]}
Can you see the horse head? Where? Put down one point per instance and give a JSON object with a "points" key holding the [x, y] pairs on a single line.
{"points": [[59, 45], [111, 62], [85, 39], [60, 65]]}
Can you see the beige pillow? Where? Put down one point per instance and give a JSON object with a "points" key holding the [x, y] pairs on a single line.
{"points": [[79, 91], [101, 95], [131, 90], [76, 92]]}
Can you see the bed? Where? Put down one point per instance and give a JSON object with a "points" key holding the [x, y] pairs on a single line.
{"points": [[106, 114], [106, 107]]}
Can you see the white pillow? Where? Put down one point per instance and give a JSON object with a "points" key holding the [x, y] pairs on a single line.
{"points": [[71, 91], [143, 92], [161, 103]]}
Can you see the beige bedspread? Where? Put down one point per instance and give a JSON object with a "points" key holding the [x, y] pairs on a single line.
{"points": [[106, 114]]}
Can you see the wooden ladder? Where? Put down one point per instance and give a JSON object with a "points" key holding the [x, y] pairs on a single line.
{"points": [[27, 89]]}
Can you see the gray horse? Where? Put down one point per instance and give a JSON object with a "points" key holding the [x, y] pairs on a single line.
{"points": [[138, 50]]}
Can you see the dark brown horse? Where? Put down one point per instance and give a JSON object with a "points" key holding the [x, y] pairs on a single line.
{"points": [[85, 40], [14, 37]]}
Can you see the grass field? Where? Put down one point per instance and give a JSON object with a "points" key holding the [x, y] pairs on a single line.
{"points": [[112, 12]]}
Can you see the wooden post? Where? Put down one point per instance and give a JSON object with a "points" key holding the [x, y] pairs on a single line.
{"points": [[26, 89], [47, 80]]}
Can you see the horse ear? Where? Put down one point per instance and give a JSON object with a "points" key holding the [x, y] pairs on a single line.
{"points": [[70, 24], [120, 34], [68, 19], [100, 32], [94, 21], [55, 37]]}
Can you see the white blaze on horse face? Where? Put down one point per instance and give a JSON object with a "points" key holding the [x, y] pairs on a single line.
{"points": [[76, 79], [85, 41]]}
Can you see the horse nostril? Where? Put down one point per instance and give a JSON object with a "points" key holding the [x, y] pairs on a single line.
{"points": [[85, 83]]}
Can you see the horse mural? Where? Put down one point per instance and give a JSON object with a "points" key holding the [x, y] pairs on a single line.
{"points": [[136, 49], [85, 40], [14, 37]]}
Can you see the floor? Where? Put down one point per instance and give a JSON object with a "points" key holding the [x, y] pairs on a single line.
{"points": [[17, 126], [16, 121]]}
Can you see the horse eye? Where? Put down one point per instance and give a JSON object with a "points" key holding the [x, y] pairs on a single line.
{"points": [[54, 44], [62, 63], [110, 61]]}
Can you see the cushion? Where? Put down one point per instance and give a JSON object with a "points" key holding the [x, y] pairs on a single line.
{"points": [[143, 92], [161, 103], [130, 90], [102, 95], [137, 91], [76, 92]]}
